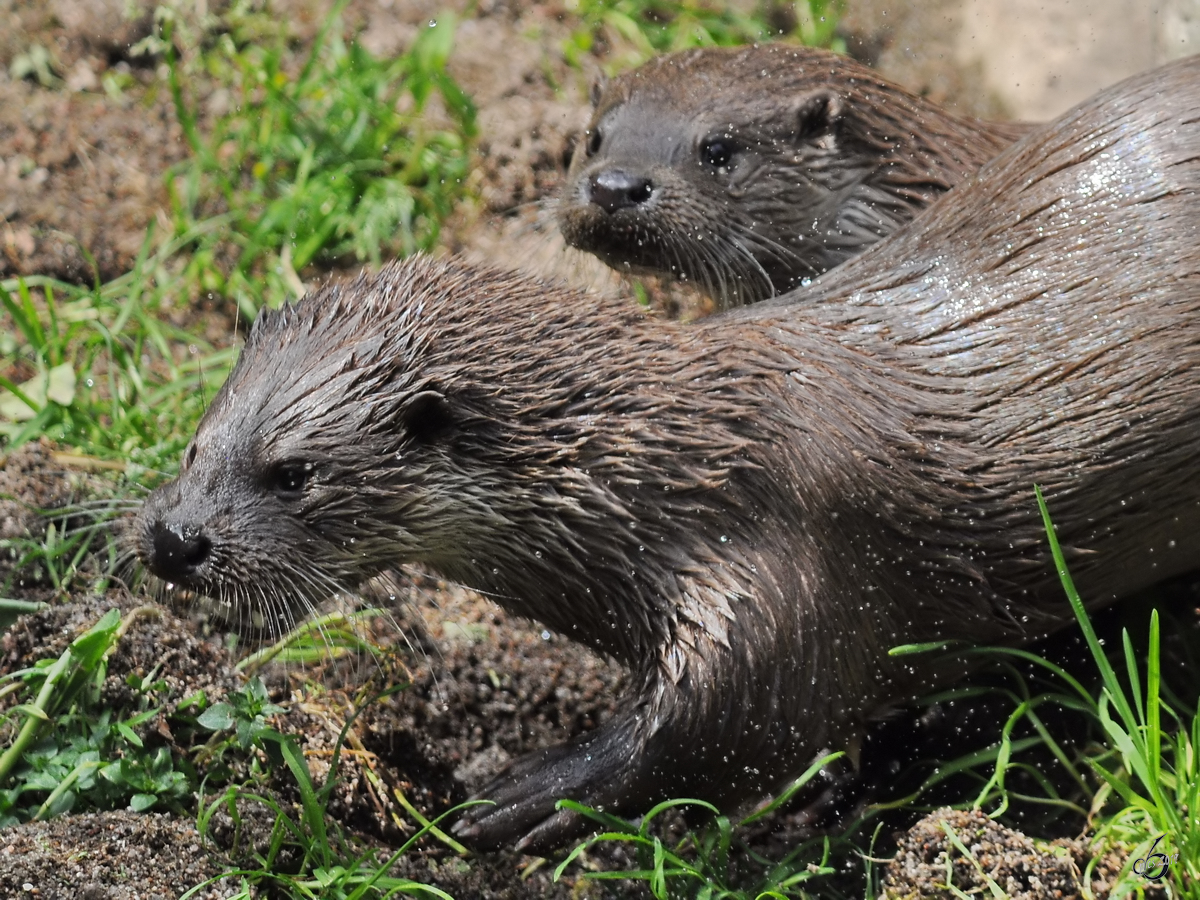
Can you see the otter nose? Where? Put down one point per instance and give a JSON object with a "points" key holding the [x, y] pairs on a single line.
{"points": [[614, 189], [176, 550]]}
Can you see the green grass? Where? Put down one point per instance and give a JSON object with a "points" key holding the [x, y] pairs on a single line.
{"points": [[700, 864], [308, 856], [304, 859], [89, 385], [333, 162], [631, 31], [315, 166], [75, 549], [1151, 775]]}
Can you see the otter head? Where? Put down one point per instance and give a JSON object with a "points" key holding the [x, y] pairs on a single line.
{"points": [[748, 170], [459, 418], [731, 179], [334, 451]]}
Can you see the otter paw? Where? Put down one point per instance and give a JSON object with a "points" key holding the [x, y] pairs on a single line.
{"points": [[522, 812]]}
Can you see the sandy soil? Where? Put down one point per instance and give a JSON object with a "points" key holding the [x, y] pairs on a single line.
{"points": [[928, 863]]}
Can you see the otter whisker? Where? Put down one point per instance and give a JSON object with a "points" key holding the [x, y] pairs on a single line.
{"points": [[752, 274]]}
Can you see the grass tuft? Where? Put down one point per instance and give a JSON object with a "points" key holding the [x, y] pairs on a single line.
{"points": [[333, 164], [1151, 782], [700, 865], [628, 32]]}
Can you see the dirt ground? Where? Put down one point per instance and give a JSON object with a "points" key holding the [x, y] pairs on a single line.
{"points": [[927, 862], [81, 176]]}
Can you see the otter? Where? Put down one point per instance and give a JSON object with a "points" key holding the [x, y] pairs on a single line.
{"points": [[750, 169], [748, 511]]}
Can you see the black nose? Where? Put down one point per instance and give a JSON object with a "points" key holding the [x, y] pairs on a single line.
{"points": [[176, 550], [613, 189]]}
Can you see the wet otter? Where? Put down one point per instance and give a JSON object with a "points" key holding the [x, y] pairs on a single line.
{"points": [[751, 510], [749, 169]]}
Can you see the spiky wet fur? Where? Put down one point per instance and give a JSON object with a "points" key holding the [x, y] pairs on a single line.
{"points": [[832, 159], [750, 511]]}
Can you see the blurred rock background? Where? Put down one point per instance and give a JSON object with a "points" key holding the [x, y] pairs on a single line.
{"points": [[1028, 59]]}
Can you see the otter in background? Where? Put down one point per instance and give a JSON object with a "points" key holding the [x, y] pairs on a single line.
{"points": [[751, 510], [749, 169]]}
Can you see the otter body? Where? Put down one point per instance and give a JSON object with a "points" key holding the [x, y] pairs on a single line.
{"points": [[750, 511], [749, 169]]}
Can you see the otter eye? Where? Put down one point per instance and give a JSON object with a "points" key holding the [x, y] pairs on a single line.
{"points": [[594, 141], [717, 152], [288, 479], [189, 457]]}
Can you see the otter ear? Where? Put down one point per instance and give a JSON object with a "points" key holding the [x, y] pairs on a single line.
{"points": [[426, 416], [816, 115], [597, 90]]}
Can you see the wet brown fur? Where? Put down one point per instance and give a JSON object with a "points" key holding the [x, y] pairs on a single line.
{"points": [[829, 158], [748, 512]]}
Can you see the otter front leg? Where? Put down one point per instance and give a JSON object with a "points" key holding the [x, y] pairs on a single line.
{"points": [[609, 768], [717, 734]]}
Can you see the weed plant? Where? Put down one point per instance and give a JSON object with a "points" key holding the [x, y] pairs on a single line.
{"points": [[67, 751]]}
